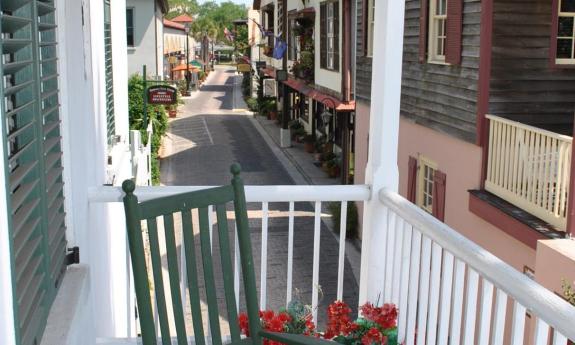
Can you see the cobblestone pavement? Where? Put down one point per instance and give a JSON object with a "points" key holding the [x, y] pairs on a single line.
{"points": [[203, 141]]}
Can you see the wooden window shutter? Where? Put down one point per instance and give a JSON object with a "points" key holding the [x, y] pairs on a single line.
{"points": [[554, 32], [454, 26], [412, 179], [323, 35], [33, 155], [439, 179], [423, 18], [110, 111], [336, 53]]}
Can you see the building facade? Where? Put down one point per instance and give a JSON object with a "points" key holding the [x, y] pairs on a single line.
{"points": [[145, 32], [481, 145], [177, 44], [318, 61]]}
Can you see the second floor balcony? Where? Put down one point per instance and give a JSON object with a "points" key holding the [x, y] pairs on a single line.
{"points": [[530, 168]]}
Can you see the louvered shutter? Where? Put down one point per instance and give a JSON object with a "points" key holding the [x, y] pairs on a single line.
{"points": [[453, 28], [323, 35], [423, 29], [110, 114], [438, 206], [336, 31], [30, 114], [412, 179]]}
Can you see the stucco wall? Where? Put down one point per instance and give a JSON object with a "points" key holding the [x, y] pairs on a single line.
{"points": [[461, 161], [145, 50]]}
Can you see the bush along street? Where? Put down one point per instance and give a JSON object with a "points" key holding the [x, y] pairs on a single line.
{"points": [[156, 115]]}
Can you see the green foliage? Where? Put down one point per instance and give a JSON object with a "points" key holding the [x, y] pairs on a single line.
{"points": [[252, 104], [352, 218], [178, 7], [156, 115], [246, 84], [299, 313], [568, 292]]}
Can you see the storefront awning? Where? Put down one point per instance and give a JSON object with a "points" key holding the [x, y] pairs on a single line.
{"points": [[309, 91]]}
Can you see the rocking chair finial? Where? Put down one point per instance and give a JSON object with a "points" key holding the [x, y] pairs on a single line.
{"points": [[128, 187]]}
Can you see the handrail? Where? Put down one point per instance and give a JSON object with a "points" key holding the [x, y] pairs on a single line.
{"points": [[286, 193], [543, 303], [529, 127]]}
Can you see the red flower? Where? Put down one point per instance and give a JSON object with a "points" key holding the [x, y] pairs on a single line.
{"points": [[339, 322], [385, 317], [244, 324], [373, 336]]}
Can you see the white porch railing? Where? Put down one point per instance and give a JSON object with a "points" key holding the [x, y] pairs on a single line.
{"points": [[448, 289], [451, 291], [530, 168], [141, 157]]}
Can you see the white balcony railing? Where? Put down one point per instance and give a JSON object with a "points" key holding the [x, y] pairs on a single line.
{"points": [[447, 288], [530, 168]]}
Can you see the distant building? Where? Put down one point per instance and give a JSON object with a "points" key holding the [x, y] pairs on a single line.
{"points": [[145, 32], [175, 48]]}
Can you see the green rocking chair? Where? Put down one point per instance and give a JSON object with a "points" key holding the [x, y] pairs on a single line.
{"points": [[166, 207]]}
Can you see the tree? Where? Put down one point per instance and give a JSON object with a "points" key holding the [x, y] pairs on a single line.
{"points": [[178, 7]]}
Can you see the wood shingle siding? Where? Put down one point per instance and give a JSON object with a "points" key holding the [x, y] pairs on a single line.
{"points": [[438, 96], [363, 63], [524, 87]]}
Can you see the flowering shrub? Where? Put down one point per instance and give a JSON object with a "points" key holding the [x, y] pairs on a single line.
{"points": [[377, 326]]}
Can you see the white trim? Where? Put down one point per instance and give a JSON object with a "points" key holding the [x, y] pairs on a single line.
{"points": [[433, 35], [65, 121], [422, 163], [7, 322], [565, 61]]}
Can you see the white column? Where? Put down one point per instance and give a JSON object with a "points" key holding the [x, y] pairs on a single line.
{"points": [[382, 171]]}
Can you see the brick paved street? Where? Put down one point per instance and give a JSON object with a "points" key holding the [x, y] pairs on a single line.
{"points": [[203, 141]]}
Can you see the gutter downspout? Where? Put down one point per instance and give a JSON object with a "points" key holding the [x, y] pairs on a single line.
{"points": [[346, 58]]}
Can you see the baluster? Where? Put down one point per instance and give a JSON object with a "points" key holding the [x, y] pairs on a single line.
{"points": [[490, 149], [456, 314], [237, 263], [264, 257], [397, 261], [290, 253], [470, 307], [446, 288], [341, 258], [485, 312], [406, 254], [413, 288], [558, 338], [434, 293], [424, 290], [316, 247], [518, 327], [541, 332], [499, 319]]}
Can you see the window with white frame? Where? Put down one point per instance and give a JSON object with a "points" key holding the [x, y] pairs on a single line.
{"points": [[329, 35], [370, 26], [425, 184], [130, 26], [566, 32], [437, 30]]}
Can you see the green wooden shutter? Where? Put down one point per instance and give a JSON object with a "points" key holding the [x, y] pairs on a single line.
{"points": [[110, 120], [30, 114], [323, 35]]}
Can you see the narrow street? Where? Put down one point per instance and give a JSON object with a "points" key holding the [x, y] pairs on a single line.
{"points": [[202, 142]]}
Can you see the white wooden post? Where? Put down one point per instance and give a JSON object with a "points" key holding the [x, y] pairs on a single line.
{"points": [[382, 171]]}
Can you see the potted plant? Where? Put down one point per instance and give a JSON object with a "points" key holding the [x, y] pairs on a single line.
{"points": [[308, 142], [299, 134], [333, 169], [325, 158], [304, 67], [172, 111]]}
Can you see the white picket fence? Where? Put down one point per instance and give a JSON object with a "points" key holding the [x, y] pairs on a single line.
{"points": [[530, 168]]}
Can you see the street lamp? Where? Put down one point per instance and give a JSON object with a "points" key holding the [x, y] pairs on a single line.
{"points": [[326, 115], [188, 76]]}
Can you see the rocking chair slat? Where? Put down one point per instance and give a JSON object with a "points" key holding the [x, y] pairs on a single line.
{"points": [[225, 252], [192, 273], [175, 280], [185, 204], [209, 277], [158, 281]]}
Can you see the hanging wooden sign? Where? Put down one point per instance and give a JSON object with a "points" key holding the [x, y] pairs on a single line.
{"points": [[162, 94], [244, 68]]}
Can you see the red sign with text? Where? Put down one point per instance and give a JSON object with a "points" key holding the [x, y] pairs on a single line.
{"points": [[162, 95]]}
